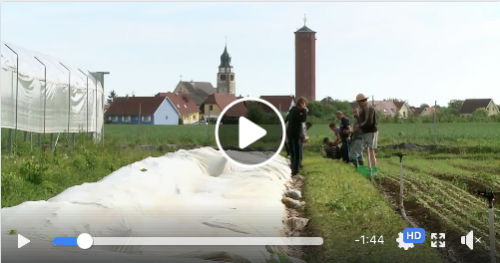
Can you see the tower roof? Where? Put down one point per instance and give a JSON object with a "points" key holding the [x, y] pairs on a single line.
{"points": [[225, 59], [305, 29]]}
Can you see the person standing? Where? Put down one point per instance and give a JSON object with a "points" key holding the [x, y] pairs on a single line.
{"points": [[345, 133], [368, 126], [356, 149], [286, 137], [296, 133], [308, 125]]}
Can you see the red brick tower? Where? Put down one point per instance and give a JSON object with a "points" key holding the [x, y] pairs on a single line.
{"points": [[305, 63]]}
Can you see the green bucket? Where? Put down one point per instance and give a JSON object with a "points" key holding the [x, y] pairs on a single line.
{"points": [[365, 170]]}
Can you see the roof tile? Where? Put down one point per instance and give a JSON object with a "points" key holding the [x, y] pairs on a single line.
{"points": [[129, 106], [281, 103], [182, 103]]}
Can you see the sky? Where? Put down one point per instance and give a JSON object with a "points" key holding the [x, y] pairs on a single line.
{"points": [[419, 52]]}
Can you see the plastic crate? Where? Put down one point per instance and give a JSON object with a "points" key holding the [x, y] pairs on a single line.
{"points": [[365, 170]]}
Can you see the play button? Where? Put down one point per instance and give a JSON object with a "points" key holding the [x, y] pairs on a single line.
{"points": [[250, 125], [22, 241], [248, 132]]}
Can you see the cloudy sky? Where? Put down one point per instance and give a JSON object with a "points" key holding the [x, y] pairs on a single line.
{"points": [[420, 52]]}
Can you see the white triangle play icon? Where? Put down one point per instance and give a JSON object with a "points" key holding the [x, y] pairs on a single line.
{"points": [[248, 132], [21, 241]]}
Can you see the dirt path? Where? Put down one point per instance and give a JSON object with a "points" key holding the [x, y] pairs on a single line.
{"points": [[295, 222]]}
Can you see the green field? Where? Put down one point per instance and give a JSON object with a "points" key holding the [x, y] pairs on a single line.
{"points": [[468, 134], [343, 205]]}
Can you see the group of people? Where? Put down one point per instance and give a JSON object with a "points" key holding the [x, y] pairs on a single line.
{"points": [[353, 138]]}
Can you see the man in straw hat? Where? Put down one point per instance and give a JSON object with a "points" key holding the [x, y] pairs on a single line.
{"points": [[368, 126]]}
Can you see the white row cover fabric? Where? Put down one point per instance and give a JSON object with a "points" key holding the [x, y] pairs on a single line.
{"points": [[194, 193], [67, 100]]}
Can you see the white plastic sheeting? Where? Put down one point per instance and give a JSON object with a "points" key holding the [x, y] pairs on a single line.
{"points": [[194, 193], [63, 103]]}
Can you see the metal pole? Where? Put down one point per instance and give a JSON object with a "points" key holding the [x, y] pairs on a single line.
{"points": [[492, 233], [435, 108], [45, 97], [87, 99], [17, 89], [102, 107], [69, 99], [96, 114]]}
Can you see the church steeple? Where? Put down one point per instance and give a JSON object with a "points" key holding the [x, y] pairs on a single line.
{"points": [[225, 59], [225, 75]]}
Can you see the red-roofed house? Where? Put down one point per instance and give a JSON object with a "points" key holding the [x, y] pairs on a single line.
{"points": [[427, 112], [417, 111], [156, 110], [188, 111], [281, 103], [214, 105]]}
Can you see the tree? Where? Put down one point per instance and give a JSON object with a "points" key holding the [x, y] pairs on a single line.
{"points": [[424, 105], [111, 97], [315, 109], [455, 105], [480, 114], [256, 113]]}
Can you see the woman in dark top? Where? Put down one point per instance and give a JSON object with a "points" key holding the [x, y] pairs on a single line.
{"points": [[296, 133]]}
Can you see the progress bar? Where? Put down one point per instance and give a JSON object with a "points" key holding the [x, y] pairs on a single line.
{"points": [[86, 241]]}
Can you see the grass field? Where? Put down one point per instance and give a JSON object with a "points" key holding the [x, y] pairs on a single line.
{"points": [[341, 204], [483, 137], [344, 206]]}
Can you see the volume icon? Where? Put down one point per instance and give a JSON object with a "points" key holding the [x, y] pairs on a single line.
{"points": [[467, 240]]}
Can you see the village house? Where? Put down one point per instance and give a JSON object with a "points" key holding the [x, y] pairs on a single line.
{"points": [[403, 109], [427, 112], [282, 103], [187, 109], [197, 91], [386, 108], [213, 106], [142, 110], [471, 105], [416, 111]]}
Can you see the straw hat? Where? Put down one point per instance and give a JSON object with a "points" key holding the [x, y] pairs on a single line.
{"points": [[361, 97]]}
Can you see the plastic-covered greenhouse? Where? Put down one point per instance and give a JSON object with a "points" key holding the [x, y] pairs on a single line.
{"points": [[41, 94]]}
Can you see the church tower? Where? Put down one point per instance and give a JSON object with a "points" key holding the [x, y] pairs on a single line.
{"points": [[305, 63], [225, 76]]}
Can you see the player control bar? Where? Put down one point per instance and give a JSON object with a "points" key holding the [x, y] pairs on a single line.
{"points": [[85, 241]]}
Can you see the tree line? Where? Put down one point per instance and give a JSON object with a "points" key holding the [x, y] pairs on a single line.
{"points": [[321, 112]]}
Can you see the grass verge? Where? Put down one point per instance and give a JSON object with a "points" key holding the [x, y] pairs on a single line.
{"points": [[343, 206], [38, 175]]}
